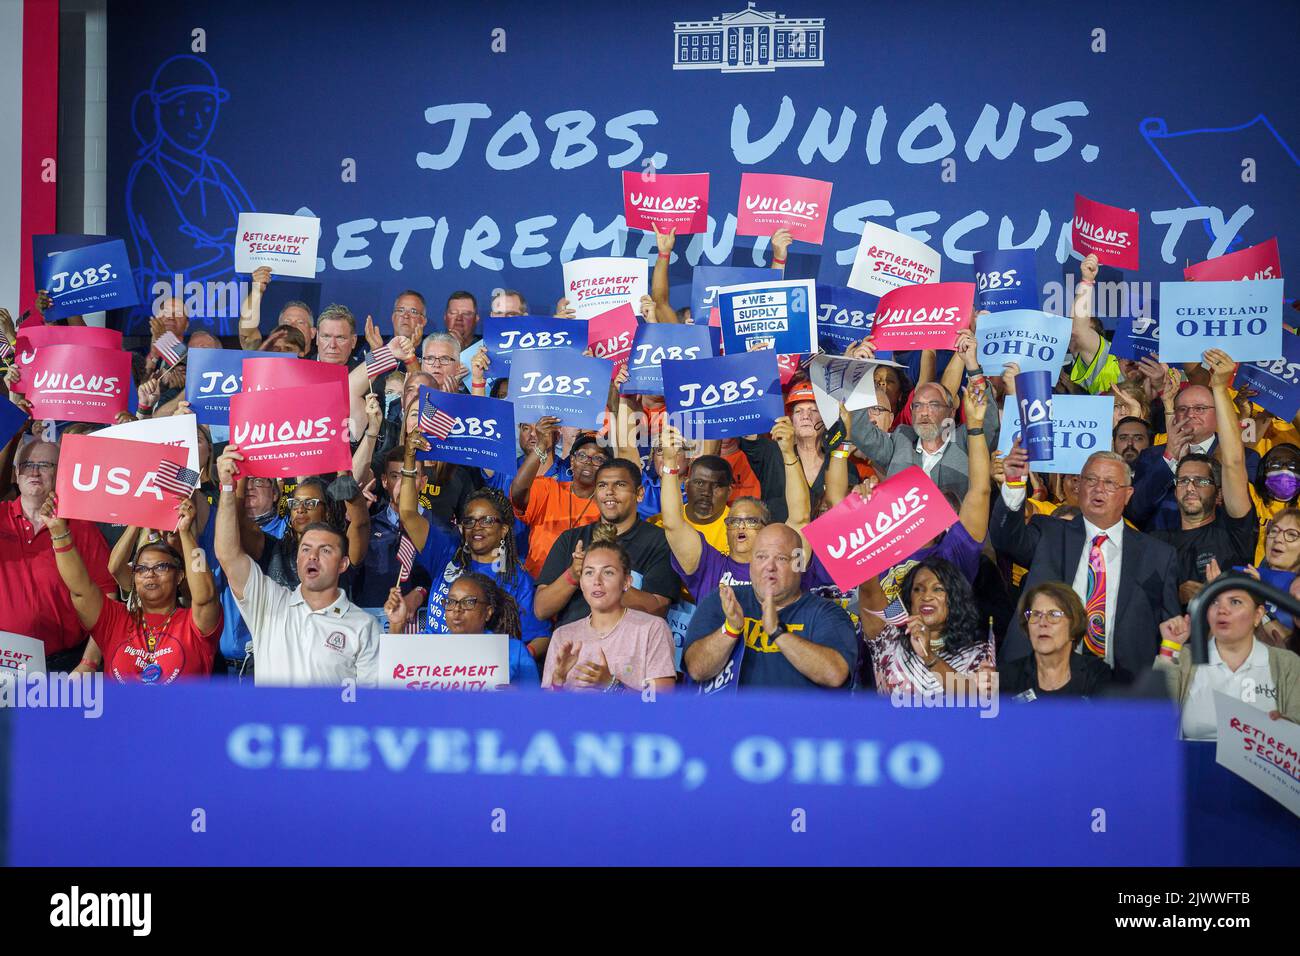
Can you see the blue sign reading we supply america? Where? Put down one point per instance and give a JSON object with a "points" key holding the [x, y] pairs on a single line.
{"points": [[511, 764], [707, 280], [844, 316], [1036, 341], [483, 435], [1138, 335], [507, 335], [1006, 279], [84, 278], [655, 344], [1242, 318], [1081, 425], [567, 384], [724, 397], [781, 316], [1277, 381], [214, 376]]}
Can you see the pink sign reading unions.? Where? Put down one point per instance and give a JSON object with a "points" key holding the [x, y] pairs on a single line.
{"points": [[610, 335], [1108, 232], [1260, 261], [284, 432], [770, 202], [670, 201], [858, 539], [923, 316]]}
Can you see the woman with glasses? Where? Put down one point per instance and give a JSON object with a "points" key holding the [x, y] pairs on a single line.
{"points": [[153, 638], [1055, 622], [487, 547], [476, 604], [308, 504], [1267, 678], [1276, 487]]}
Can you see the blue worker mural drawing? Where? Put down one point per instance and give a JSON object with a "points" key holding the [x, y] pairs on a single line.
{"points": [[182, 203]]}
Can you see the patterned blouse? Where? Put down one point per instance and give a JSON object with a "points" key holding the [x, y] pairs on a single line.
{"points": [[897, 666]]}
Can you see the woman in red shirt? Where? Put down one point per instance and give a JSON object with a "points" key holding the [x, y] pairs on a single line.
{"points": [[152, 639]]}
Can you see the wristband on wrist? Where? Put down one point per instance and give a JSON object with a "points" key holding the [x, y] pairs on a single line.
{"points": [[86, 662], [665, 255], [846, 446], [975, 431], [568, 576], [1086, 282], [539, 452], [730, 631], [1016, 484], [791, 464], [409, 472], [60, 537], [840, 454], [63, 550], [777, 262]]}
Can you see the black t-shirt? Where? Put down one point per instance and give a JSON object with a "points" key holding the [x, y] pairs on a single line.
{"points": [[1089, 675], [1231, 540], [646, 545], [812, 618]]}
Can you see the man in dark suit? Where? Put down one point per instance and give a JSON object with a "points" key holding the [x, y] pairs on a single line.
{"points": [[1127, 581]]}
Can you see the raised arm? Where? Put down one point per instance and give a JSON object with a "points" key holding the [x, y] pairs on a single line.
{"points": [[366, 446], [664, 312], [226, 541], [965, 360], [119, 559], [86, 597], [684, 540], [358, 533], [414, 524], [975, 506], [205, 609], [1084, 340], [535, 463], [1232, 453], [781, 240], [250, 311], [798, 501]]}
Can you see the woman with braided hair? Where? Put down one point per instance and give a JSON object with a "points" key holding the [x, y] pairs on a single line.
{"points": [[477, 604], [153, 639], [487, 545], [312, 503]]}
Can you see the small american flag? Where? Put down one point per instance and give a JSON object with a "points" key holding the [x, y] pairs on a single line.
{"points": [[6, 350], [405, 558], [381, 360], [896, 613], [170, 348], [175, 480], [436, 422]]}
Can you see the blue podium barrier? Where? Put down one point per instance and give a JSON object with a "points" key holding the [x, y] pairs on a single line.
{"points": [[1231, 822], [223, 775]]}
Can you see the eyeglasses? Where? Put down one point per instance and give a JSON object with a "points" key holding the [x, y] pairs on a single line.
{"points": [[1289, 535], [929, 407], [259, 482], [148, 570], [297, 504], [439, 360], [463, 314], [462, 604], [414, 313], [1053, 615], [1198, 409], [481, 521], [32, 467], [1105, 484], [743, 522], [1200, 483], [582, 458]]}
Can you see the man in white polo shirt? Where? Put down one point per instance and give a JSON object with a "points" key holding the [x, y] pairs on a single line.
{"points": [[312, 635]]}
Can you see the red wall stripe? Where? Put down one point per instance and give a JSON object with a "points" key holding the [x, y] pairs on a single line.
{"points": [[40, 130]]}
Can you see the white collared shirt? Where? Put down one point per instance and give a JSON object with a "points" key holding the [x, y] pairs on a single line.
{"points": [[929, 459], [1200, 448], [294, 646], [1111, 551], [1251, 683]]}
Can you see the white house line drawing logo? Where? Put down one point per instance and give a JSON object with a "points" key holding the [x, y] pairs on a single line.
{"points": [[749, 41]]}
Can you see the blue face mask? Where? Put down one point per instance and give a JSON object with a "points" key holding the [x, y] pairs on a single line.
{"points": [[389, 400]]}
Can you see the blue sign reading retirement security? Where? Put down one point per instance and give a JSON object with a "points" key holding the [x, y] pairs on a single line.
{"points": [[1277, 381], [1036, 341], [1006, 279], [91, 278], [1242, 318], [723, 397], [483, 436], [1081, 425], [769, 315], [569, 385], [508, 334], [844, 316], [707, 280], [655, 344], [213, 377]]}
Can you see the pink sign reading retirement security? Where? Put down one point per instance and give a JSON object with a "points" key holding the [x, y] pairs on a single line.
{"points": [[857, 539], [1108, 232], [610, 335], [670, 201], [769, 202], [923, 316], [1261, 261]]}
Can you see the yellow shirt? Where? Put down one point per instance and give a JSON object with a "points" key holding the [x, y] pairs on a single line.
{"points": [[715, 532]]}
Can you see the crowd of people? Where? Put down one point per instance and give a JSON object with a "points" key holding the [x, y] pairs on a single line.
{"points": [[617, 561]]}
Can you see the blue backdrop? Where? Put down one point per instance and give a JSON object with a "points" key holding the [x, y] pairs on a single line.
{"points": [[488, 144]]}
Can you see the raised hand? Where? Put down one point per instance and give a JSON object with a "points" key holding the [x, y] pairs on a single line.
{"points": [[731, 607], [1015, 466], [396, 611], [665, 240], [1088, 268], [863, 351], [187, 512], [648, 308], [783, 435], [1009, 373], [48, 515], [1221, 367], [373, 338], [566, 656], [975, 403], [374, 414], [478, 367], [261, 279], [576, 567], [781, 240], [228, 465], [564, 310]]}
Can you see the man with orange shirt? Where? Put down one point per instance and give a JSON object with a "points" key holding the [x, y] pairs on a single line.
{"points": [[547, 505]]}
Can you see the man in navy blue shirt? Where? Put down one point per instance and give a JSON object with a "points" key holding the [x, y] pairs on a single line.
{"points": [[379, 571], [791, 639]]}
